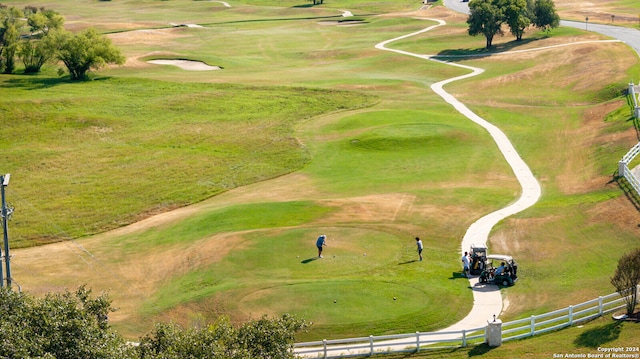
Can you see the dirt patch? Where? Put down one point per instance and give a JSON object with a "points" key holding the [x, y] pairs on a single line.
{"points": [[374, 208], [599, 11]]}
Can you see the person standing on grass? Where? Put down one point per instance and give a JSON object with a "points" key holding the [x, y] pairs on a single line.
{"points": [[322, 241], [465, 264], [419, 244]]}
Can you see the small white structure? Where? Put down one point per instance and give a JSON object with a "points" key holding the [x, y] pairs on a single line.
{"points": [[494, 333]]}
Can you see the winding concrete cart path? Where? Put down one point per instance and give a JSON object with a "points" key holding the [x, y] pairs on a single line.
{"points": [[487, 300]]}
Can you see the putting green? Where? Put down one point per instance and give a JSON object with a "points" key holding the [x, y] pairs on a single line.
{"points": [[339, 301], [271, 265], [292, 254]]}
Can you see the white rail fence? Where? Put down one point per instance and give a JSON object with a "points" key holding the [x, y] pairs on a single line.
{"points": [[623, 164], [414, 342], [562, 318], [623, 167], [632, 94]]}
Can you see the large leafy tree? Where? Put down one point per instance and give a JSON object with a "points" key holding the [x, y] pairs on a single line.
{"points": [[627, 277], [68, 325], [41, 44], [85, 51], [75, 325], [486, 17], [43, 20], [263, 338], [516, 15], [545, 16], [11, 21]]}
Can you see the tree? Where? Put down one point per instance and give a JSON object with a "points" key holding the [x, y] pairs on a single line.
{"points": [[264, 338], [36, 52], [516, 16], [58, 326], [75, 325], [85, 51], [41, 44], [10, 24], [43, 21], [627, 277], [544, 15], [485, 18]]}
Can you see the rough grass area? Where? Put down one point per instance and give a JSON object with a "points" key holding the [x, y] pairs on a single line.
{"points": [[113, 151]]}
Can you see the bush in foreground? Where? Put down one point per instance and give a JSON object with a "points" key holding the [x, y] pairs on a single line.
{"points": [[75, 325]]}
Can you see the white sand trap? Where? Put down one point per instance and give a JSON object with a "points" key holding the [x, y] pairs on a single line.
{"points": [[184, 25], [186, 64]]}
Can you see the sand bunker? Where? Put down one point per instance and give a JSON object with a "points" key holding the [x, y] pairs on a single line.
{"points": [[186, 64]]}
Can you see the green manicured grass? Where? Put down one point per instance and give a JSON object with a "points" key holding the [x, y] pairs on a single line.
{"points": [[399, 150], [362, 271]]}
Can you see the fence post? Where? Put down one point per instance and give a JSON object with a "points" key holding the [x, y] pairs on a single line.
{"points": [[417, 342], [371, 345], [533, 325], [324, 343], [495, 332], [571, 315], [464, 338], [600, 306], [622, 168]]}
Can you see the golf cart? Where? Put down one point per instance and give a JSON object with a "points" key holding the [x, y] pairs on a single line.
{"points": [[491, 274], [478, 253]]}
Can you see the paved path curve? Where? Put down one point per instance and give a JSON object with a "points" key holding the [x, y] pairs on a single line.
{"points": [[487, 298]]}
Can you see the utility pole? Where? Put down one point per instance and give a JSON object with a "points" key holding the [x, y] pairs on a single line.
{"points": [[5, 228]]}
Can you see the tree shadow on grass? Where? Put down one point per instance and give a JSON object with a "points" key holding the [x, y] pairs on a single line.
{"points": [[28, 82], [599, 336], [32, 83], [454, 55]]}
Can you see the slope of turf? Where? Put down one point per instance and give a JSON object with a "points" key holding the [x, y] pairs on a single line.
{"points": [[113, 150]]}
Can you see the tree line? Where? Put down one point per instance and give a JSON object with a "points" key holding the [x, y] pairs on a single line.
{"points": [[75, 326], [487, 17], [36, 36]]}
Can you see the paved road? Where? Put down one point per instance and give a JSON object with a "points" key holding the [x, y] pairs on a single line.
{"points": [[627, 35]]}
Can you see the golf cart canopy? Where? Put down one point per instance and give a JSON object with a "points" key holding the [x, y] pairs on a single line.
{"points": [[500, 257]]}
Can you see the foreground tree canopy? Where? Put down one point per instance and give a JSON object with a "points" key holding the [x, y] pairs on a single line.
{"points": [[488, 16], [75, 325]]}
